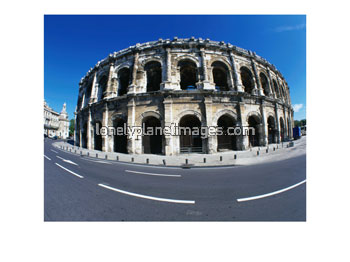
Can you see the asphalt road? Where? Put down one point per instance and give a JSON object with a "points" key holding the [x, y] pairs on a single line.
{"points": [[80, 188]]}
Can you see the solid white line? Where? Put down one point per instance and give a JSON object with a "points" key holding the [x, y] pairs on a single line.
{"points": [[69, 171], [151, 174], [47, 157], [54, 151], [270, 194], [149, 197]]}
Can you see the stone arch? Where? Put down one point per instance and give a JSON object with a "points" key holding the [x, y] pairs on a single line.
{"points": [[271, 129], [190, 140], [188, 74], [153, 70], [227, 138], [146, 114], [264, 83], [254, 114], [282, 128], [255, 130], [153, 137], [221, 75], [276, 88], [120, 140], [222, 112], [247, 79], [189, 112], [222, 60], [151, 59], [124, 80], [187, 57], [101, 85]]}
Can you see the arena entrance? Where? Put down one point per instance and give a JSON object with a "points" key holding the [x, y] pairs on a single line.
{"points": [[226, 141], [120, 138], [152, 139], [282, 129], [271, 128], [190, 135], [97, 137], [84, 136], [254, 139]]}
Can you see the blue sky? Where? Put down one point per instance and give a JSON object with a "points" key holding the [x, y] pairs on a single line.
{"points": [[74, 44]]}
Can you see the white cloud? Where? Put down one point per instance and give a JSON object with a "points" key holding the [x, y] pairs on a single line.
{"points": [[289, 28], [297, 107]]}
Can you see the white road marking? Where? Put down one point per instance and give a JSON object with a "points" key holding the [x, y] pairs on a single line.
{"points": [[47, 157], [149, 197], [67, 161], [272, 193], [151, 174], [54, 151], [69, 171]]}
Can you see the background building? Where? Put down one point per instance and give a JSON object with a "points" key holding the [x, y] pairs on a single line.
{"points": [[187, 82], [56, 124]]}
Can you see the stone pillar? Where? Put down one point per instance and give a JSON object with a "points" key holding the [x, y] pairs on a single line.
{"points": [[236, 77], [278, 140], [93, 97], [256, 90], [272, 90], [109, 89], [264, 139], [131, 124], [80, 132], [257, 79], [205, 83], [132, 87], [75, 128], [243, 140], [89, 131], [212, 140], [166, 84], [105, 124], [168, 120]]}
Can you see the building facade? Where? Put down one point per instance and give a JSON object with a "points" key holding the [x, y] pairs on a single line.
{"points": [[56, 124], [183, 83]]}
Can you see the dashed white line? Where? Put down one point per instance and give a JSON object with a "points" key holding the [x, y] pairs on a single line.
{"points": [[272, 193], [151, 174], [66, 160], [54, 151], [69, 171], [47, 157], [148, 197]]}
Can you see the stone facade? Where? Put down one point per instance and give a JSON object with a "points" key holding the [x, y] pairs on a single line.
{"points": [[183, 82], [56, 124]]}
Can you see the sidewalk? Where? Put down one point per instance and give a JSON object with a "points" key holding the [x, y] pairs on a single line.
{"points": [[274, 152]]}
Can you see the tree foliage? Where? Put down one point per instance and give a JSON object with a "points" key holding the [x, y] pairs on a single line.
{"points": [[71, 127], [300, 123]]}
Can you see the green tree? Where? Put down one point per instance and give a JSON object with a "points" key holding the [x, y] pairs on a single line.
{"points": [[300, 123], [71, 127]]}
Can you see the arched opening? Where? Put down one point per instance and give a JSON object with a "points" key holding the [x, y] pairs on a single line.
{"points": [[282, 129], [264, 84], [152, 139], [254, 131], [247, 80], [271, 130], [124, 81], [188, 74], [154, 75], [220, 76], [226, 141], [97, 136], [120, 137], [102, 87], [88, 94], [190, 134], [275, 87], [84, 136]]}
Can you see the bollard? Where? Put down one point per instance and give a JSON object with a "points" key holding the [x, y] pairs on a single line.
{"points": [[164, 163], [132, 159], [220, 158], [88, 154], [204, 160], [257, 153], [117, 158], [81, 153], [96, 155], [267, 150], [274, 149], [235, 157], [75, 151], [186, 161], [106, 157], [147, 160]]}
